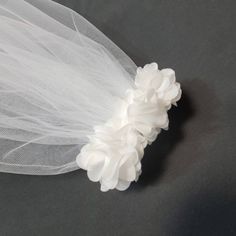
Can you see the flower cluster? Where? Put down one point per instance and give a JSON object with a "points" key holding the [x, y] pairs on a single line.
{"points": [[113, 155]]}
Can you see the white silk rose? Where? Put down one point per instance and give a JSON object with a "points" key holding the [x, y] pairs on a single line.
{"points": [[113, 155]]}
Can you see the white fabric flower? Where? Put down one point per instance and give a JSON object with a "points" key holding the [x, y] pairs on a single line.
{"points": [[113, 155], [148, 118], [158, 84]]}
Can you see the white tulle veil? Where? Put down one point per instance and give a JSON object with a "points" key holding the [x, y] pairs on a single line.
{"points": [[59, 78]]}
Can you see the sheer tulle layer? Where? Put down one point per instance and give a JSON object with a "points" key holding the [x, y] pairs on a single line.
{"points": [[59, 77], [70, 98]]}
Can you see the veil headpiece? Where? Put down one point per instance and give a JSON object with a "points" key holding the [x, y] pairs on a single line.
{"points": [[70, 98]]}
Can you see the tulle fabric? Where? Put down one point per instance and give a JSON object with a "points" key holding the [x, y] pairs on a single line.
{"points": [[59, 78]]}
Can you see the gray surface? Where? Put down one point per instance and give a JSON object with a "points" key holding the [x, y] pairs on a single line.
{"points": [[188, 182]]}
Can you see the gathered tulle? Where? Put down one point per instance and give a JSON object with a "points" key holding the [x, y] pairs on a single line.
{"points": [[59, 77], [62, 81]]}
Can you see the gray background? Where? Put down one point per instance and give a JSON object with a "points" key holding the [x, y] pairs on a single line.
{"points": [[188, 181]]}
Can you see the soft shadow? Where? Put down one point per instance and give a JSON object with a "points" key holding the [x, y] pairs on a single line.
{"points": [[202, 107], [153, 163]]}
